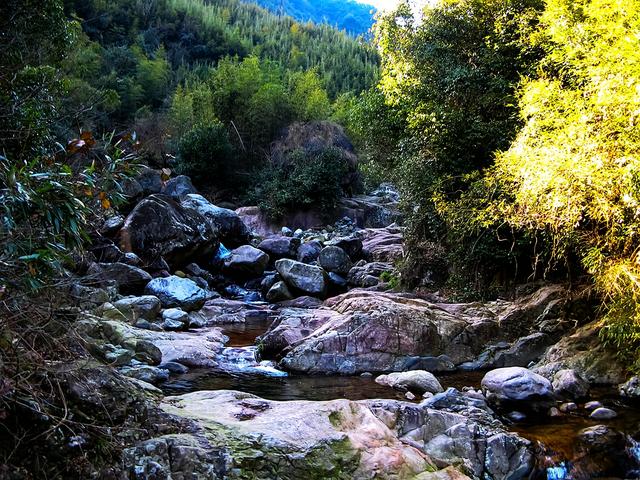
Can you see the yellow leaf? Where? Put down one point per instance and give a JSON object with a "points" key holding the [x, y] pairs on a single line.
{"points": [[105, 203]]}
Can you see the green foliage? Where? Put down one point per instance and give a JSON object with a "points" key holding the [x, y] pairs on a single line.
{"points": [[574, 169], [449, 84], [354, 17], [303, 181], [204, 154]]}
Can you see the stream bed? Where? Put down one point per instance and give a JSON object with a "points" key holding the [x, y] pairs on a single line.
{"points": [[559, 455]]}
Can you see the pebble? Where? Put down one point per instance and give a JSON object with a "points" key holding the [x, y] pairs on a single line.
{"points": [[592, 405], [568, 407], [366, 374], [409, 396], [603, 413], [554, 412]]}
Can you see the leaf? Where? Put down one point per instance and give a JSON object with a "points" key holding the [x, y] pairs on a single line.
{"points": [[166, 174], [106, 204]]}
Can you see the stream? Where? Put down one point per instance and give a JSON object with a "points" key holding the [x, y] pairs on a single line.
{"points": [[558, 453]]}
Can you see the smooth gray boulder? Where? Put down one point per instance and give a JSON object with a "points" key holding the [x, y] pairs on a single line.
{"points": [[569, 384], [246, 261], [334, 259], [415, 381], [179, 292], [515, 384], [280, 247], [309, 279]]}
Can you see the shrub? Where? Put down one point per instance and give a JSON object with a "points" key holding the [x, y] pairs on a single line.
{"points": [[204, 154], [304, 181]]}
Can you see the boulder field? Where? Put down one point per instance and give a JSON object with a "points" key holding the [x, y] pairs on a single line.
{"points": [[168, 278]]}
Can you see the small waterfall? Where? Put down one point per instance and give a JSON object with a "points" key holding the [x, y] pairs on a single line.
{"points": [[558, 472]]}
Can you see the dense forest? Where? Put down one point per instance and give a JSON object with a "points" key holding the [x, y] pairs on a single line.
{"points": [[354, 17], [510, 130]]}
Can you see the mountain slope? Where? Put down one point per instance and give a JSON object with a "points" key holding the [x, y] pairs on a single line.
{"points": [[354, 17]]}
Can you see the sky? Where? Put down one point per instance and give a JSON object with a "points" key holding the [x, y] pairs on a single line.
{"points": [[382, 4]]}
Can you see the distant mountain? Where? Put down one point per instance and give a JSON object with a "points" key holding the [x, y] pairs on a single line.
{"points": [[354, 17]]}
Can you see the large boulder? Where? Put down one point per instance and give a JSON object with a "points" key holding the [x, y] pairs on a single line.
{"points": [[178, 187], [232, 231], [309, 251], [368, 331], [146, 307], [130, 280], [246, 261], [308, 279], [515, 384], [415, 381], [334, 259], [568, 383], [280, 247], [160, 227], [383, 244], [176, 291]]}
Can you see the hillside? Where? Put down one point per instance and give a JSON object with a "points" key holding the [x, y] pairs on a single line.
{"points": [[354, 17]]}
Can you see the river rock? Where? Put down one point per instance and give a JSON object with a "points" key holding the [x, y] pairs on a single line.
{"points": [[221, 311], [161, 227], [305, 278], [146, 307], [178, 187], [280, 247], [246, 261], [515, 384], [299, 438], [175, 319], [230, 228], [179, 292], [383, 244], [112, 225], [584, 352], [569, 384], [309, 251], [386, 332], [415, 381], [368, 274], [150, 181], [603, 413], [279, 292], [334, 259], [352, 246], [148, 374], [630, 388], [130, 280]]}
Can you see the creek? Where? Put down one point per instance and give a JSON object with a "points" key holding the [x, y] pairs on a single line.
{"points": [[559, 455]]}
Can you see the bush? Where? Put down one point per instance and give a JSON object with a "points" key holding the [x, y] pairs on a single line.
{"points": [[204, 154], [304, 181]]}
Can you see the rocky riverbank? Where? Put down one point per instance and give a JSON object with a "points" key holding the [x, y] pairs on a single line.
{"points": [[166, 279]]}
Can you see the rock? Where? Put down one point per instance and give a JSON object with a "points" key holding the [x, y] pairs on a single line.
{"points": [[177, 292], [88, 298], [370, 211], [178, 187], [286, 232], [246, 261], [150, 181], [174, 367], [516, 416], [568, 407], [631, 388], [230, 228], [117, 356], [592, 405], [308, 279], [368, 275], [416, 381], [309, 252], [279, 293], [147, 352], [130, 280], [280, 247], [603, 413], [515, 384], [152, 375], [334, 259], [338, 284], [161, 227], [131, 258], [383, 244], [175, 319], [111, 225], [145, 307], [583, 352], [223, 311], [409, 396], [297, 438], [569, 384], [385, 332], [554, 412], [352, 246], [600, 436]]}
